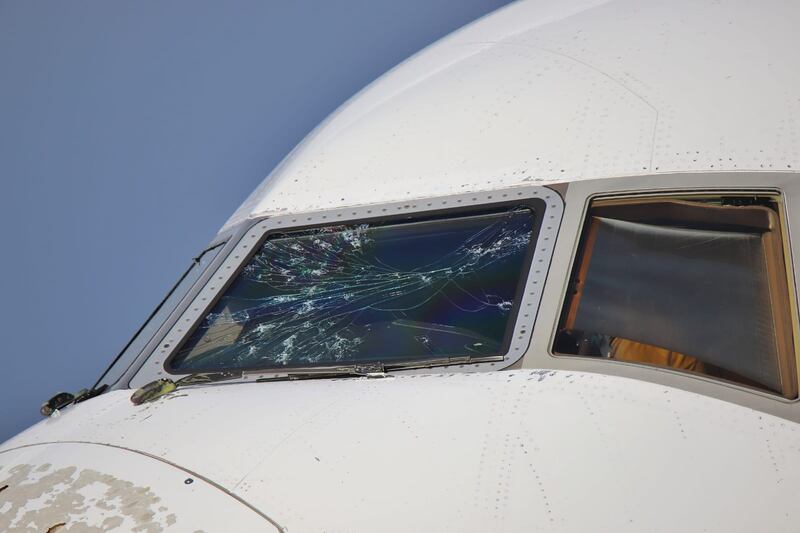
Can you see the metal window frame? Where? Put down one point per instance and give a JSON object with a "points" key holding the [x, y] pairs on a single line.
{"points": [[132, 360], [252, 234]]}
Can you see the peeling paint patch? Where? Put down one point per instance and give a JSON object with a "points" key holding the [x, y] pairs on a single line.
{"points": [[41, 498]]}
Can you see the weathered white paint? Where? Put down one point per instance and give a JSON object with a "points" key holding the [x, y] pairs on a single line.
{"points": [[541, 92], [502, 451], [89, 487], [560, 91]]}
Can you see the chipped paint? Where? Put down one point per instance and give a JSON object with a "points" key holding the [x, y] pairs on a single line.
{"points": [[537, 440], [542, 92], [43, 498], [81, 487]]}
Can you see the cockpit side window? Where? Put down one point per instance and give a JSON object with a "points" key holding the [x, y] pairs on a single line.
{"points": [[398, 292], [158, 317], [696, 284]]}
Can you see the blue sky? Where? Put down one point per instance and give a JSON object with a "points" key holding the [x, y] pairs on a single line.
{"points": [[130, 131]]}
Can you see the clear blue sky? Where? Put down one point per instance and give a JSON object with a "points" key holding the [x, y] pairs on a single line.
{"points": [[130, 131]]}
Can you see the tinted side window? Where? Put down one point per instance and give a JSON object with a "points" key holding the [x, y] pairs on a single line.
{"points": [[694, 285]]}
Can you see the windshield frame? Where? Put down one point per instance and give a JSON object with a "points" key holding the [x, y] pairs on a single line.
{"points": [[130, 356], [547, 207]]}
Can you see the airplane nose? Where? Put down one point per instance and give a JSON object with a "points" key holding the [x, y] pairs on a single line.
{"points": [[94, 487]]}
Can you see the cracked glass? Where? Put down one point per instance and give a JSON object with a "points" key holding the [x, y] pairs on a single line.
{"points": [[370, 293]]}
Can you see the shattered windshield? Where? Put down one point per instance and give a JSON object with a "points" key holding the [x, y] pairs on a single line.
{"points": [[387, 292]]}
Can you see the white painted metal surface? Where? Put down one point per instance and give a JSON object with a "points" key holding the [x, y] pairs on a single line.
{"points": [[503, 451], [92, 487], [541, 92], [561, 91]]}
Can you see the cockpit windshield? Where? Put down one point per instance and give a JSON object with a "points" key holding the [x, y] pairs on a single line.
{"points": [[388, 292]]}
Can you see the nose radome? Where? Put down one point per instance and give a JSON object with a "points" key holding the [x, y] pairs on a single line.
{"points": [[64, 487]]}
